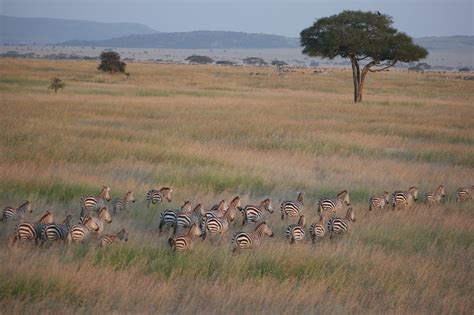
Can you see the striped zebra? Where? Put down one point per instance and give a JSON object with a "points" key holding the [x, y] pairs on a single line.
{"points": [[185, 242], [245, 240], [91, 203], [102, 217], [341, 225], [219, 225], [379, 202], [120, 204], [217, 210], [168, 217], [465, 193], [26, 231], [78, 233], [295, 232], [56, 232], [328, 207], [109, 239], [185, 220], [154, 196], [10, 213], [317, 230], [404, 199], [257, 213], [434, 198], [292, 208]]}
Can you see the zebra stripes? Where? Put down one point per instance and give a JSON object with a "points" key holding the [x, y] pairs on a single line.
{"points": [[79, 232], [154, 196], [10, 213], [256, 213], [295, 232], [185, 220], [404, 199], [168, 217], [317, 230], [26, 231], [292, 208], [120, 204], [379, 202], [328, 207], [217, 210], [465, 193], [55, 232], [245, 240], [184, 242], [109, 239], [91, 203], [341, 225], [434, 198], [219, 225]]}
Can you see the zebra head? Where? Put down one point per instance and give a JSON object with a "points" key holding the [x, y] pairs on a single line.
{"points": [[350, 215], [186, 207], [123, 235], [236, 203], [46, 218], [414, 192], [264, 229], [195, 231], [25, 207], [129, 197], [104, 215], [90, 224], [386, 197], [344, 197], [302, 221], [301, 197], [105, 193], [267, 205], [165, 192], [440, 191]]}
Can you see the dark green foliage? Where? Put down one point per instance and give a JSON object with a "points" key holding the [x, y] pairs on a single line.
{"points": [[56, 84], [365, 37], [110, 62], [199, 59]]}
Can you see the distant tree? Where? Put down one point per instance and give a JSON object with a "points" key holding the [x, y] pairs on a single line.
{"points": [[278, 63], [366, 38], [422, 66], [199, 59], [225, 62], [110, 62], [464, 69], [56, 84]]}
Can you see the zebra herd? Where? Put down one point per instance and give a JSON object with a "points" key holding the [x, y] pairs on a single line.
{"points": [[188, 224]]}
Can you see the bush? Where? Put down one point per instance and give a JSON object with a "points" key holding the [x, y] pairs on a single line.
{"points": [[254, 61], [110, 62], [199, 59], [56, 84]]}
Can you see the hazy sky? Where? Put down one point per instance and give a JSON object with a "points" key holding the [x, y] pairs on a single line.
{"points": [[282, 17]]}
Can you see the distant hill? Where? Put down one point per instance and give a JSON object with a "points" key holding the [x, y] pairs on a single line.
{"points": [[456, 43], [194, 40], [17, 30]]}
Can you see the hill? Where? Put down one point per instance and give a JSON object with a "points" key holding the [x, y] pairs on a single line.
{"points": [[194, 40], [18, 30]]}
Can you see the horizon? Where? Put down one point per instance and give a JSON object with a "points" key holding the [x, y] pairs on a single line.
{"points": [[282, 18]]}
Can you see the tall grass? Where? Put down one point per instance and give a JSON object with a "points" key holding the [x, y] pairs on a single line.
{"points": [[215, 132]]}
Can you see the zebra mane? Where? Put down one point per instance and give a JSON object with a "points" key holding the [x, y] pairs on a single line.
{"points": [[24, 204], [342, 193], [47, 213]]}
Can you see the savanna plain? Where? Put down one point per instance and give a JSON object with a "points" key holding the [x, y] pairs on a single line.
{"points": [[212, 133]]}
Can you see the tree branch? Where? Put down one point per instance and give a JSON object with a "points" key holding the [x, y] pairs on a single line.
{"points": [[384, 66]]}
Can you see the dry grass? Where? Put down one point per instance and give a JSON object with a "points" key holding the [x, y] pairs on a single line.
{"points": [[212, 132]]}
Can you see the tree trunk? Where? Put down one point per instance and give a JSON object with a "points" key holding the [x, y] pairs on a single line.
{"points": [[357, 79]]}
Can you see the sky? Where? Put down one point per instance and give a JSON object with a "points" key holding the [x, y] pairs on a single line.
{"points": [[282, 17]]}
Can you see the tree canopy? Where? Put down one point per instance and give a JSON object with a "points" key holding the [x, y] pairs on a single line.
{"points": [[110, 62], [363, 37]]}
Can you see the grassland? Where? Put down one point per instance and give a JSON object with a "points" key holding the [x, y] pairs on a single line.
{"points": [[211, 133]]}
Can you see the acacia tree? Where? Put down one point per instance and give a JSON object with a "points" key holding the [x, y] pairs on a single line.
{"points": [[110, 62], [366, 38]]}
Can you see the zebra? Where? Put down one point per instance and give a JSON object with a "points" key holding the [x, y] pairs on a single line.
{"points": [[120, 204], [184, 242], [340, 225], [16, 213], [379, 202], [26, 231], [256, 213], [79, 232], [154, 196], [218, 210], [108, 239], [291, 208], [91, 203], [55, 232], [404, 199], [185, 220], [168, 217], [219, 225], [317, 230], [433, 198], [328, 207], [465, 193], [295, 232], [245, 240], [102, 217]]}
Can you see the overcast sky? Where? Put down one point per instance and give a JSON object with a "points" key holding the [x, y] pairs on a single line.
{"points": [[283, 17]]}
